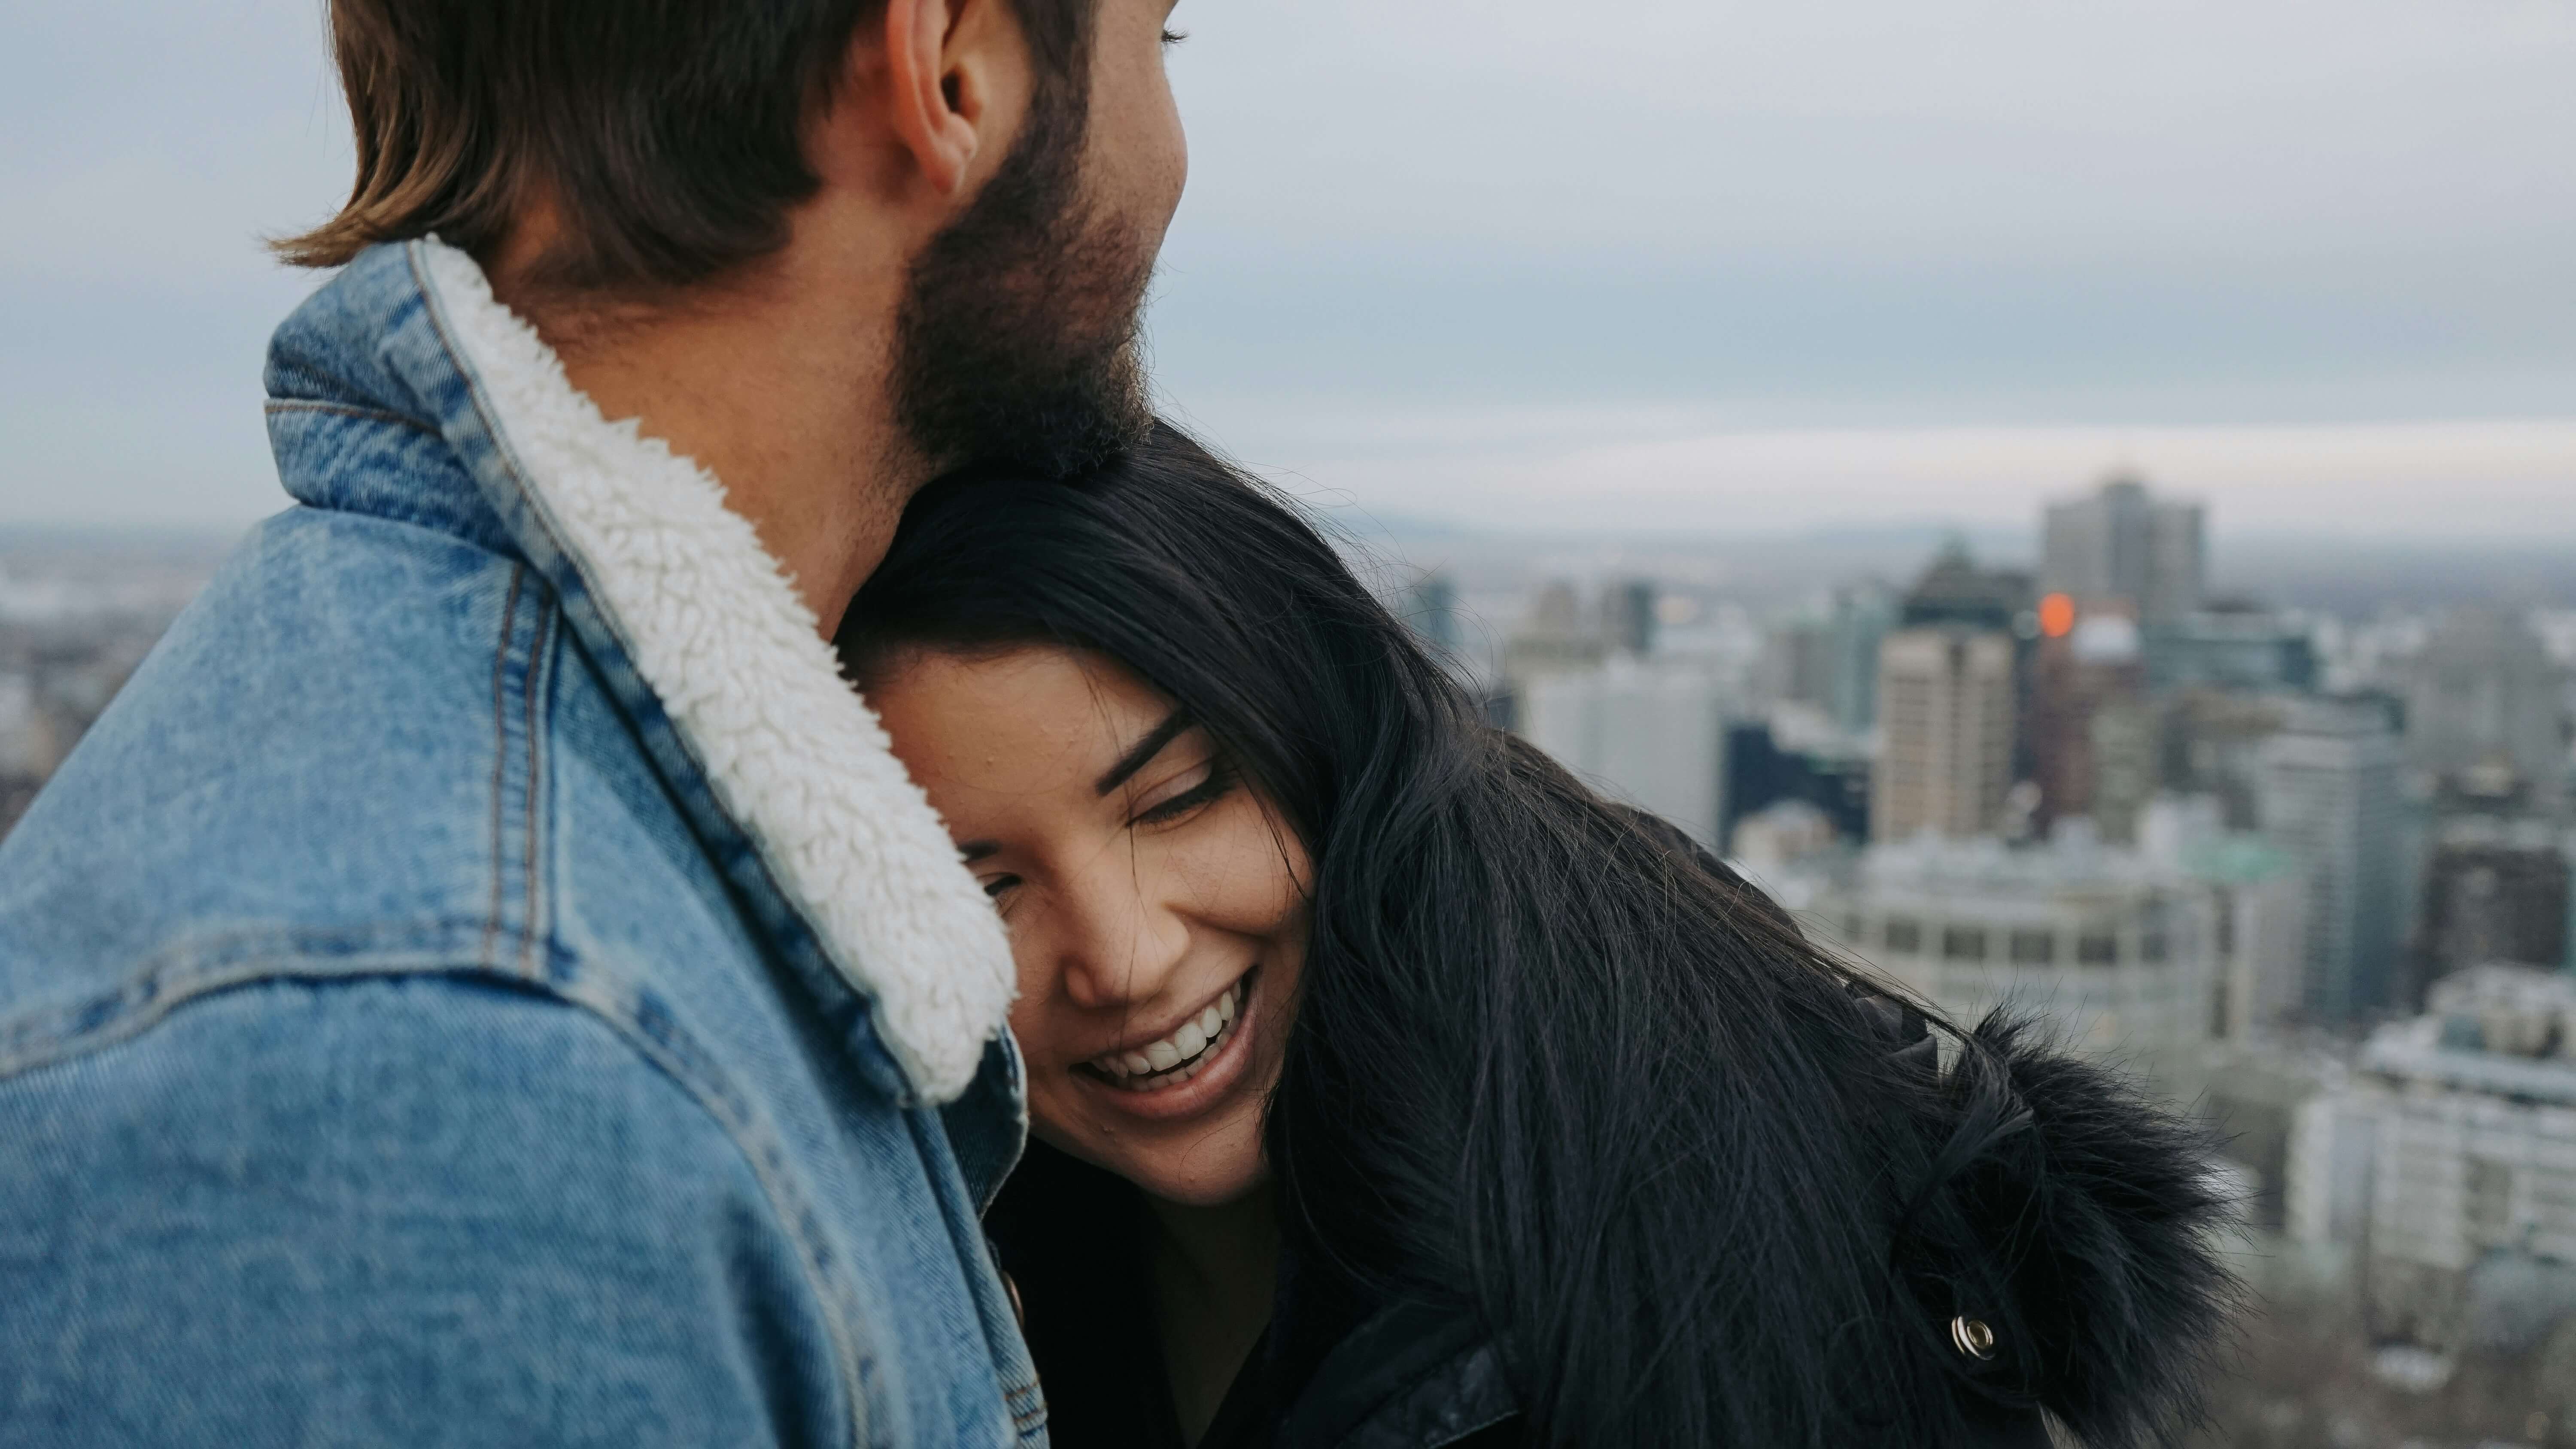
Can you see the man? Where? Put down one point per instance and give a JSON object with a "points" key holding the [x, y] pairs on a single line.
{"points": [[486, 982]]}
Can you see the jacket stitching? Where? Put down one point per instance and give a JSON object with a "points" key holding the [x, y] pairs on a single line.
{"points": [[181, 973], [346, 410], [501, 759], [534, 681]]}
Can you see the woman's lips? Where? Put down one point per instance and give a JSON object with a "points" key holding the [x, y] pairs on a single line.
{"points": [[1185, 1071]]}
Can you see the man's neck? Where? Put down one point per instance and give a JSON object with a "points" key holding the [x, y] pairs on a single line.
{"points": [[786, 403]]}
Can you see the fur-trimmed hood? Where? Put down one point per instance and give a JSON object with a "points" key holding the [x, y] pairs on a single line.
{"points": [[681, 587]]}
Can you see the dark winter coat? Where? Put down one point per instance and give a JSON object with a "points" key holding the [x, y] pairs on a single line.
{"points": [[2098, 1321], [2091, 1300]]}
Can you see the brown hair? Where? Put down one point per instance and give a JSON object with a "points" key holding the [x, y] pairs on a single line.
{"points": [[668, 132]]}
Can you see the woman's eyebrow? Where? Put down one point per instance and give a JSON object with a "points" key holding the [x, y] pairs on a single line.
{"points": [[1142, 753]]}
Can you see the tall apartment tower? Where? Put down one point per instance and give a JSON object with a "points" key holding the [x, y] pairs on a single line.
{"points": [[2330, 798], [2122, 542], [1945, 706]]}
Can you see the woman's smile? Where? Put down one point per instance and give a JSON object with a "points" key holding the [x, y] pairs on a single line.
{"points": [[1178, 1074]]}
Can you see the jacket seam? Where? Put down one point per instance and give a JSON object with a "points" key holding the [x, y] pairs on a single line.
{"points": [[348, 410], [535, 681], [501, 761]]}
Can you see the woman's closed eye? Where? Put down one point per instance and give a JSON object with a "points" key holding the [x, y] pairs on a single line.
{"points": [[1180, 798]]}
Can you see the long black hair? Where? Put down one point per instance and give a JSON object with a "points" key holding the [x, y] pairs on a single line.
{"points": [[1555, 1068]]}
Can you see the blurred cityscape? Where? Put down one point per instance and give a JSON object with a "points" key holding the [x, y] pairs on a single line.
{"points": [[2298, 854], [2299, 859]]}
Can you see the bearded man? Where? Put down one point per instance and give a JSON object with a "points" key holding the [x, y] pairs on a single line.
{"points": [[487, 982]]}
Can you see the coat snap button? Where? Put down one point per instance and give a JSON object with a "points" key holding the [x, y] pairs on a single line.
{"points": [[1972, 1336]]}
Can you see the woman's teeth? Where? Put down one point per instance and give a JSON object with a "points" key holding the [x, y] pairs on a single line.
{"points": [[1178, 1057]]}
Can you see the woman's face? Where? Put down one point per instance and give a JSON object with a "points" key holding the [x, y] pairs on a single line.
{"points": [[1155, 903]]}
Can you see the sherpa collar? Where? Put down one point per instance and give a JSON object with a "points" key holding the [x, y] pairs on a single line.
{"points": [[722, 639]]}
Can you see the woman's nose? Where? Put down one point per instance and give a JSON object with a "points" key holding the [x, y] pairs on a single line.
{"points": [[1118, 942]]}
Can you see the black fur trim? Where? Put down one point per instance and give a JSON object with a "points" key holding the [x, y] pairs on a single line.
{"points": [[2078, 1220]]}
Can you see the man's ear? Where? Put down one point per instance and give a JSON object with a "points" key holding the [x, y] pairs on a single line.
{"points": [[948, 66]]}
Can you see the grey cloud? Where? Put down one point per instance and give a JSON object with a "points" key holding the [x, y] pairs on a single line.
{"points": [[1866, 212]]}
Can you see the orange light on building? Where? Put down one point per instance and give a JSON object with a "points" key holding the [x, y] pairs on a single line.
{"points": [[2057, 616]]}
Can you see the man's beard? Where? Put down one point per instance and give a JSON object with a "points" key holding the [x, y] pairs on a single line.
{"points": [[1018, 344]]}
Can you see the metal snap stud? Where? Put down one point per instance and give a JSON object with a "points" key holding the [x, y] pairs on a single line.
{"points": [[1971, 1336]]}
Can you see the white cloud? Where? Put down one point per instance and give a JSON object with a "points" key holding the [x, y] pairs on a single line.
{"points": [[2499, 481]]}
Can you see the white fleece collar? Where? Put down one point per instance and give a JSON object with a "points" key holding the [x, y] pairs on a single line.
{"points": [[719, 634]]}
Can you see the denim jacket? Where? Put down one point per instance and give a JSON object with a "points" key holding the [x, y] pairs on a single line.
{"points": [[486, 981]]}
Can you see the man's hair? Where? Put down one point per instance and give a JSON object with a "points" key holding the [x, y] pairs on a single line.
{"points": [[668, 133]]}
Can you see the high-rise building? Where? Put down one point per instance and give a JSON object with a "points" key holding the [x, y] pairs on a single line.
{"points": [[2329, 796], [1628, 616], [2484, 698], [1946, 715], [2121, 542], [2086, 718], [2495, 890], [1954, 591], [2211, 742], [1653, 734], [1863, 615], [1827, 656]]}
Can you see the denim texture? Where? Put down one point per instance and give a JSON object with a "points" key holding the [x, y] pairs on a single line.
{"points": [[399, 1045]]}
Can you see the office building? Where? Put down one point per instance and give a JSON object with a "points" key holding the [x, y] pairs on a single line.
{"points": [[2451, 1144], [1863, 615], [2233, 649], [1628, 618], [1946, 717], [2258, 903], [2495, 891], [2211, 743], [2329, 797], [2087, 719], [1653, 734], [1954, 591], [2121, 542], [2110, 945]]}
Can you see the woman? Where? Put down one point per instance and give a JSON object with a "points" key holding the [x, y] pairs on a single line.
{"points": [[1392, 1088]]}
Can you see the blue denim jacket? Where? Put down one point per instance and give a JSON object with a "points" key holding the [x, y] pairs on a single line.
{"points": [[485, 982]]}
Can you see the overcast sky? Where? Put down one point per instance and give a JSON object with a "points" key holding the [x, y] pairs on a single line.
{"points": [[1668, 264]]}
